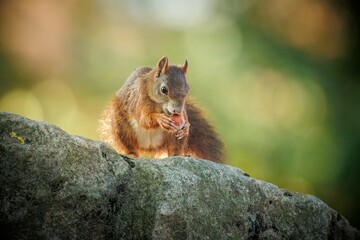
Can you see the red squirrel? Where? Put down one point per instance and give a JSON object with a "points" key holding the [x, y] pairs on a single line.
{"points": [[150, 115]]}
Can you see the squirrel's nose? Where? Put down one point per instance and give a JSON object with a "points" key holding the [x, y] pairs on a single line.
{"points": [[176, 111], [175, 108]]}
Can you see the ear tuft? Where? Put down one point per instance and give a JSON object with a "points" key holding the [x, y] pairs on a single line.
{"points": [[163, 65], [185, 66]]}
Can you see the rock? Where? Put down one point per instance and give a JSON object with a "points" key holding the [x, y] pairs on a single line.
{"points": [[58, 186]]}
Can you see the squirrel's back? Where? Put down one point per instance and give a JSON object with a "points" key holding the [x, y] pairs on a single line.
{"points": [[118, 111]]}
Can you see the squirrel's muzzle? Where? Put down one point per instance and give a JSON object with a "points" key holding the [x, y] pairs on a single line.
{"points": [[174, 107]]}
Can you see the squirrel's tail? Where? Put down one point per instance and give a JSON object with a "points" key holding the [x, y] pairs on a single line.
{"points": [[204, 142]]}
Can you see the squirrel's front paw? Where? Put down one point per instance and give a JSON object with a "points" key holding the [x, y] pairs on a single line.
{"points": [[167, 123], [183, 132]]}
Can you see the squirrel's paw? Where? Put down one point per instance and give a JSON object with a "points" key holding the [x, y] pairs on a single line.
{"points": [[183, 132], [167, 123]]}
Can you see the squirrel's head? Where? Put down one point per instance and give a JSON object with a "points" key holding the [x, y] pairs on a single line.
{"points": [[170, 88]]}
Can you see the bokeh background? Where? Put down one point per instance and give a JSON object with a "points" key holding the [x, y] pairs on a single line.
{"points": [[278, 78]]}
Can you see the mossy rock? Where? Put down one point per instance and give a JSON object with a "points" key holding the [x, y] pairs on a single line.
{"points": [[58, 186]]}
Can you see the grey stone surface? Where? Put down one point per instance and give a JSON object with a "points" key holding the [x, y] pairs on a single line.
{"points": [[58, 186]]}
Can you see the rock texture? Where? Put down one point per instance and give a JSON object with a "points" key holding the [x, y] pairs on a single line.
{"points": [[58, 186]]}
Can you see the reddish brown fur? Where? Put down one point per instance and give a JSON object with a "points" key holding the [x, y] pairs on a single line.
{"points": [[139, 106]]}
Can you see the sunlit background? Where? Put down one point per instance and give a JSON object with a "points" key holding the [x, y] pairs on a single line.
{"points": [[278, 78]]}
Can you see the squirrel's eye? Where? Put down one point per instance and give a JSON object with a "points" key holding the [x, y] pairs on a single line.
{"points": [[164, 90]]}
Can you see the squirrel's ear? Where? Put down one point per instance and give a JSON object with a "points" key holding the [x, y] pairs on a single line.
{"points": [[163, 65], [185, 66]]}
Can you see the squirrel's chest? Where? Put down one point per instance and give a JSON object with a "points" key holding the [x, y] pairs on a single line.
{"points": [[148, 138]]}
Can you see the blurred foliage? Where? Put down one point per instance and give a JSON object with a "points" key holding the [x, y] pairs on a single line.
{"points": [[278, 78]]}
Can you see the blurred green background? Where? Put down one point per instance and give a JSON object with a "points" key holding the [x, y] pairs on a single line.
{"points": [[278, 78]]}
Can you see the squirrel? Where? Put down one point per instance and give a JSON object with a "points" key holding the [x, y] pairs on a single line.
{"points": [[150, 115]]}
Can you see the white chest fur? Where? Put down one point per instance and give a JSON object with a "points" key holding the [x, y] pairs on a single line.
{"points": [[148, 138]]}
